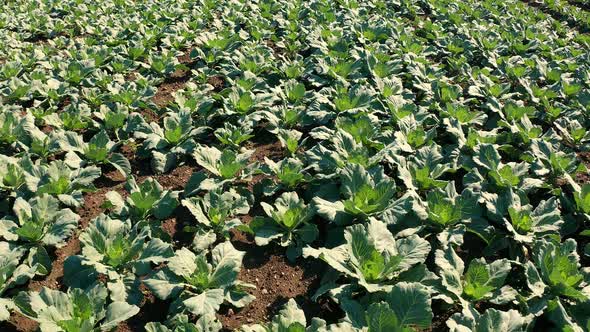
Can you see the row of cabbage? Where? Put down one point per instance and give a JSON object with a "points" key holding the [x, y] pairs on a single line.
{"points": [[576, 12], [428, 157]]}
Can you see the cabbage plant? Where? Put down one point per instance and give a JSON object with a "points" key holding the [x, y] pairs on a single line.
{"points": [[144, 200], [182, 323], [364, 192], [39, 221], [99, 150], [226, 164], [201, 283], [67, 184], [75, 310], [371, 257], [18, 266], [117, 253], [168, 143], [216, 214], [478, 282], [289, 222]]}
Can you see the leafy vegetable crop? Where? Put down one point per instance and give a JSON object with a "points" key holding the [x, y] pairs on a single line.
{"points": [[388, 165]]}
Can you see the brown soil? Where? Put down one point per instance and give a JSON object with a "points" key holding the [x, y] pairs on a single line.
{"points": [[140, 168], [110, 178], [19, 323], [41, 40], [52, 280], [582, 178], [185, 58], [217, 82], [66, 102], [175, 82], [273, 151], [277, 50], [93, 204], [171, 226], [441, 315], [149, 115], [152, 310], [177, 178], [164, 95], [46, 129], [277, 280], [132, 76], [128, 151], [175, 224], [585, 157], [180, 73]]}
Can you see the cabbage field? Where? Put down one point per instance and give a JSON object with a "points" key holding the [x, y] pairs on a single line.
{"points": [[294, 165]]}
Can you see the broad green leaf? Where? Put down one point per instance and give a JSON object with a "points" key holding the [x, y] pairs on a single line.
{"points": [[381, 318], [207, 302], [411, 304]]}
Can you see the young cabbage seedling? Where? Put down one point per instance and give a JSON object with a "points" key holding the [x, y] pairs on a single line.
{"points": [[288, 221]]}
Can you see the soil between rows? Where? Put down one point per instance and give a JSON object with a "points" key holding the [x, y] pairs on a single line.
{"points": [[276, 279]]}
